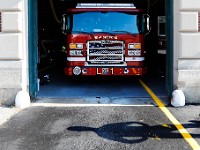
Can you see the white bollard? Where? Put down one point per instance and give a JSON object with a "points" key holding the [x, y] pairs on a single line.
{"points": [[22, 100], [178, 98]]}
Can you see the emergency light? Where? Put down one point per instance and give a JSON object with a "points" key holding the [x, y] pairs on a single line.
{"points": [[105, 5]]}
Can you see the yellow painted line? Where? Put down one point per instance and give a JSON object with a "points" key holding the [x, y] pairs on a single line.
{"points": [[186, 135]]}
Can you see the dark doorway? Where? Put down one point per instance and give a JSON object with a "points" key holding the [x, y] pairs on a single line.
{"points": [[46, 41]]}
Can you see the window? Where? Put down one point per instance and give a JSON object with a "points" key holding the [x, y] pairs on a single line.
{"points": [[112, 22]]}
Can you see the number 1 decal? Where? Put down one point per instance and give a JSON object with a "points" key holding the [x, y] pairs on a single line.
{"points": [[112, 70]]}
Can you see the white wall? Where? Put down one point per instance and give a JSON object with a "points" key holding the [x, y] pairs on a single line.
{"points": [[187, 48], [12, 50]]}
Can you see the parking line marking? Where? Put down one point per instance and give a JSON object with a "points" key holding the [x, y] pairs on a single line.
{"points": [[186, 135]]}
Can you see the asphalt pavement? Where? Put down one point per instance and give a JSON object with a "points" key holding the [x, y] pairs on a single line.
{"points": [[98, 127]]}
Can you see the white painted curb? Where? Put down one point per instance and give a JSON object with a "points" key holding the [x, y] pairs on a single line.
{"points": [[22, 100], [178, 98]]}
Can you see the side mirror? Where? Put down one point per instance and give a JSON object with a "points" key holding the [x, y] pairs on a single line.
{"points": [[147, 23], [64, 24]]}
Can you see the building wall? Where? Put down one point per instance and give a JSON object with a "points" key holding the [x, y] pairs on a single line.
{"points": [[187, 48], [13, 75]]}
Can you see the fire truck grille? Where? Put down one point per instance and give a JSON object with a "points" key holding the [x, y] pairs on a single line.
{"points": [[105, 52]]}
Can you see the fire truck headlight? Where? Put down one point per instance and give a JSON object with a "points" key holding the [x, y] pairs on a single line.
{"points": [[79, 53], [76, 52], [134, 46], [79, 46], [134, 52], [131, 46], [77, 70], [76, 46], [72, 53]]}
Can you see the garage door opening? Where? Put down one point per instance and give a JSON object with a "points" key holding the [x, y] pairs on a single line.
{"points": [[50, 81]]}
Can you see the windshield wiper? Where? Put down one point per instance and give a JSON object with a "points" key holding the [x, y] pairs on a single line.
{"points": [[106, 33], [123, 32], [91, 33], [83, 32]]}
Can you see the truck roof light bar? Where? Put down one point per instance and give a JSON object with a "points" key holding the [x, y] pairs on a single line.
{"points": [[105, 5]]}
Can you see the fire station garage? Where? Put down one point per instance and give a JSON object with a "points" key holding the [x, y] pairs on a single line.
{"points": [[86, 52], [111, 35]]}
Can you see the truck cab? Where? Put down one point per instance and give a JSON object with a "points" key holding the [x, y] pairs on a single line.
{"points": [[105, 39]]}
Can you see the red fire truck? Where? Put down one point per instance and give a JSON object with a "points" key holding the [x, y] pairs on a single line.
{"points": [[105, 39]]}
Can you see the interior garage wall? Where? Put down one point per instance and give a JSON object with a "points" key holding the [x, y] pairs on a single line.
{"points": [[13, 70], [187, 48]]}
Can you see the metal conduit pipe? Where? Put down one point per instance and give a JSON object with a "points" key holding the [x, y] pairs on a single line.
{"points": [[54, 12]]}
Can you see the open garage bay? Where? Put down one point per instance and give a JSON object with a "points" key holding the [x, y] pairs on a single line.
{"points": [[100, 89]]}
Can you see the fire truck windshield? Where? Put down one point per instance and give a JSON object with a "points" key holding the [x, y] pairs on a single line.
{"points": [[110, 22]]}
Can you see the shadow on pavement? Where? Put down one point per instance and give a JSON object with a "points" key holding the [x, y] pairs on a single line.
{"points": [[134, 132]]}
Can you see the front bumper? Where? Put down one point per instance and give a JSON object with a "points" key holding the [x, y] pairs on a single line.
{"points": [[123, 71]]}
